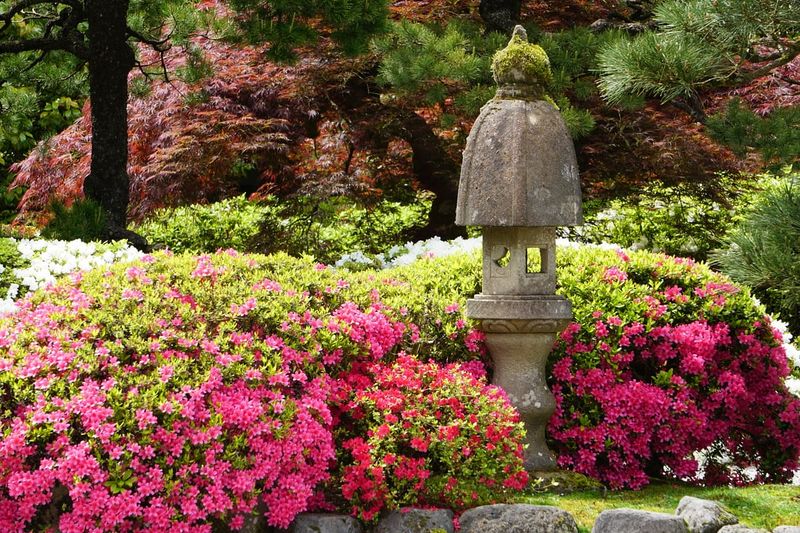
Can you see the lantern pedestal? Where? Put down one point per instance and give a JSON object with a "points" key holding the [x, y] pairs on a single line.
{"points": [[519, 343]]}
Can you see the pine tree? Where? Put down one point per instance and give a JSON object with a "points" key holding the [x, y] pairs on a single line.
{"points": [[698, 44], [99, 34]]}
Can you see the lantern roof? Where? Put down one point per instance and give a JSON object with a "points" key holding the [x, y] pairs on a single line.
{"points": [[519, 166]]}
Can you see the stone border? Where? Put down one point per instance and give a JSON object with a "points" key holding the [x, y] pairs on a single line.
{"points": [[693, 515]]}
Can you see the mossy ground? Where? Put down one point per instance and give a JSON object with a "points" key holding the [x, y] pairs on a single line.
{"points": [[765, 506]]}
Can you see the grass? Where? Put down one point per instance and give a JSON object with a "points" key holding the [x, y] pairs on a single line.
{"points": [[765, 506]]}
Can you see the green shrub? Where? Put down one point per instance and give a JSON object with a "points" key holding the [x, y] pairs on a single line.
{"points": [[322, 229], [675, 220], [232, 223], [764, 251]]}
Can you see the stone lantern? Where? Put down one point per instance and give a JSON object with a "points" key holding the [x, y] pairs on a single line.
{"points": [[519, 181]]}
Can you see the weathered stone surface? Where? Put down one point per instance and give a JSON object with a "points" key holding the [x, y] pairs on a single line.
{"points": [[519, 368], [519, 168], [518, 518], [507, 261], [555, 311], [738, 528], [635, 521], [786, 529], [704, 516], [416, 521], [325, 523]]}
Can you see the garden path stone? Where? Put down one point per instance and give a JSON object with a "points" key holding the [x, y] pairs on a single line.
{"points": [[635, 521], [741, 529], [704, 516], [517, 518], [786, 529], [410, 520], [325, 523]]}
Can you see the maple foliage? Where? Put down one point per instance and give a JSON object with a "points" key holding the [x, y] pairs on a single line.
{"points": [[780, 88], [630, 149], [282, 123], [319, 127], [177, 152]]}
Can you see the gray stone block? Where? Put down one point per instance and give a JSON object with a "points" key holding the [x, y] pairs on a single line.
{"points": [[740, 529], [786, 529], [635, 521], [518, 518], [704, 516], [325, 523], [411, 520]]}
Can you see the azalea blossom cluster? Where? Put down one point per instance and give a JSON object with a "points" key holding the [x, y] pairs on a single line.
{"points": [[171, 393], [44, 261], [666, 359], [418, 433]]}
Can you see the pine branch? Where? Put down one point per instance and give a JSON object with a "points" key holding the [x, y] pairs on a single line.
{"points": [[68, 38], [20, 6], [30, 45], [159, 45], [42, 55], [787, 57]]}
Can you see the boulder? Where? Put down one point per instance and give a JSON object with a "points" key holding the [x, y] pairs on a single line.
{"points": [[741, 529], [704, 516], [635, 521], [786, 529], [325, 523], [517, 518], [410, 520]]}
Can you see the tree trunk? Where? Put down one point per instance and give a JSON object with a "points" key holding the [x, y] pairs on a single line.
{"points": [[500, 15], [436, 172], [110, 60]]}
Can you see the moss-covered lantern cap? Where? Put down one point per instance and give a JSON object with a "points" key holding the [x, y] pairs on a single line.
{"points": [[521, 69]]}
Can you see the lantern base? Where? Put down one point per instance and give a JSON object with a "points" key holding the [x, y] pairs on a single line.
{"points": [[520, 333]]}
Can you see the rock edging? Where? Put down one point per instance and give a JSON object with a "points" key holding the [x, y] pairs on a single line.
{"points": [[693, 515]]}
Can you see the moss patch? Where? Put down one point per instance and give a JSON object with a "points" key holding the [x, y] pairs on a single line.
{"points": [[522, 63]]}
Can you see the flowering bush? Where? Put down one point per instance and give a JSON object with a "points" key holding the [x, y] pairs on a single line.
{"points": [[28, 264], [419, 433], [666, 358], [174, 392], [408, 253], [607, 383]]}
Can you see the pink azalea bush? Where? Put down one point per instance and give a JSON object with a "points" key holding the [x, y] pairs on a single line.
{"points": [[177, 392], [669, 370], [666, 359]]}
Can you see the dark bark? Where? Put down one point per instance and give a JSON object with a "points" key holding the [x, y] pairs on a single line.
{"points": [[500, 15], [435, 171], [111, 59]]}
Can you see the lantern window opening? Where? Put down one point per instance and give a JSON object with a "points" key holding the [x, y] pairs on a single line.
{"points": [[536, 260], [501, 256]]}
